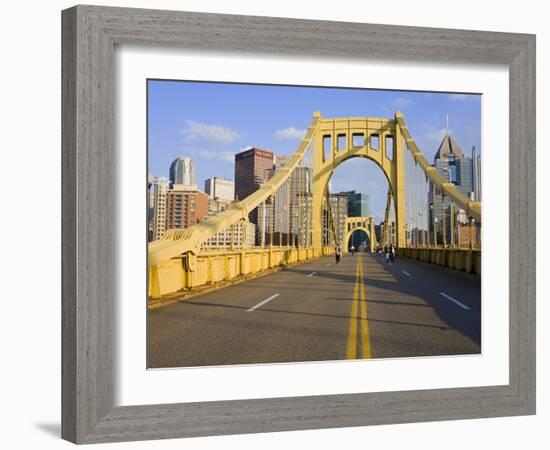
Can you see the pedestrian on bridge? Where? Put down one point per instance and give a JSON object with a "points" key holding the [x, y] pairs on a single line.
{"points": [[338, 253], [392, 253]]}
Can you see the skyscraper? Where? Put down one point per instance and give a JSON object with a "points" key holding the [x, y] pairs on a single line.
{"points": [[452, 165], [252, 168], [287, 219], [219, 187], [159, 188], [334, 215], [182, 171], [476, 174], [456, 168], [358, 204]]}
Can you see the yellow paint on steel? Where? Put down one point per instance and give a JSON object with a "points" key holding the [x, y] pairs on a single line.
{"points": [[364, 223], [359, 303]]}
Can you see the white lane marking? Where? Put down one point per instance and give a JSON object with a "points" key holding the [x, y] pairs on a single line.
{"points": [[262, 303], [448, 297], [406, 273], [311, 274]]}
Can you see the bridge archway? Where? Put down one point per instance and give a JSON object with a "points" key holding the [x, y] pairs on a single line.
{"points": [[378, 140], [365, 224], [349, 234]]}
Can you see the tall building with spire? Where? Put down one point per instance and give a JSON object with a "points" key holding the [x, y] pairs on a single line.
{"points": [[456, 168]]}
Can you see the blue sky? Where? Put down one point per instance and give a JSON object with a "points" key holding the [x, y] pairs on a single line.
{"points": [[210, 122]]}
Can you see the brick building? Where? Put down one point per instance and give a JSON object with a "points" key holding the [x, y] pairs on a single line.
{"points": [[185, 206]]}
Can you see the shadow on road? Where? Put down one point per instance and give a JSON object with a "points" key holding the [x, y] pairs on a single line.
{"points": [[467, 322]]}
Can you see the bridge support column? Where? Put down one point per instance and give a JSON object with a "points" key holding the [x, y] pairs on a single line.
{"points": [[320, 180], [398, 170]]}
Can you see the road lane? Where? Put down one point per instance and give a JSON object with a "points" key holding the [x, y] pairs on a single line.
{"points": [[392, 313], [214, 328], [410, 318]]}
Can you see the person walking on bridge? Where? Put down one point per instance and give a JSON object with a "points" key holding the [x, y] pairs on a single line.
{"points": [[338, 253]]}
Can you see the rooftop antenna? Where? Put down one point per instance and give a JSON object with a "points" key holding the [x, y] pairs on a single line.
{"points": [[447, 115]]}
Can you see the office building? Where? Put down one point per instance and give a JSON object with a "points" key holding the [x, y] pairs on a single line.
{"points": [[217, 205], [229, 237], [252, 168], [287, 219], [185, 206], [233, 237], [334, 219], [456, 168], [158, 194], [219, 187], [358, 204], [476, 174], [182, 172]]}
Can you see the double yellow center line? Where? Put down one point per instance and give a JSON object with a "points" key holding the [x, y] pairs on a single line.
{"points": [[359, 303]]}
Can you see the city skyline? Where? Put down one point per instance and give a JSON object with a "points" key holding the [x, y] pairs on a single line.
{"points": [[211, 122]]}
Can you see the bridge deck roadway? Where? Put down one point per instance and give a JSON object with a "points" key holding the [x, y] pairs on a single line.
{"points": [[361, 307]]}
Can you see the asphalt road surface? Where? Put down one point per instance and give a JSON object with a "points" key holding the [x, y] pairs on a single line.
{"points": [[321, 311]]}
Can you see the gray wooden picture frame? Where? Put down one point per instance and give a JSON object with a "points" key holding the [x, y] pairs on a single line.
{"points": [[90, 34]]}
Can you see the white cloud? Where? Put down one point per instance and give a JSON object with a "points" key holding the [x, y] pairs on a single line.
{"points": [[208, 132], [401, 102], [436, 135], [290, 133], [225, 156]]}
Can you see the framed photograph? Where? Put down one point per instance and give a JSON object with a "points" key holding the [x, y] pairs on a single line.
{"points": [[265, 229]]}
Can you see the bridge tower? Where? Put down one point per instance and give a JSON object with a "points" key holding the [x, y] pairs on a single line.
{"points": [[338, 140]]}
